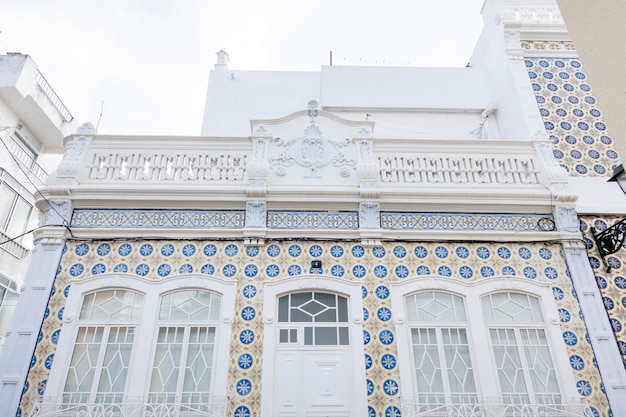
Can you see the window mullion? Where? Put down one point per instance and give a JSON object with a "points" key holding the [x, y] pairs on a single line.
{"points": [[95, 385], [444, 365], [524, 364], [184, 351]]}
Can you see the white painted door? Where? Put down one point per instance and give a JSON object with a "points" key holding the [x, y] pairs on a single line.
{"points": [[313, 375]]}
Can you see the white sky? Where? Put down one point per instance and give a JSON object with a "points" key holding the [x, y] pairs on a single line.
{"points": [[149, 60]]}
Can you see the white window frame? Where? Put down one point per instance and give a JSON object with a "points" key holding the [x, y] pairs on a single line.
{"points": [[142, 357], [484, 365], [7, 180], [319, 283]]}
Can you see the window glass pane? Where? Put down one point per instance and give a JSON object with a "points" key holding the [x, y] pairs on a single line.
{"points": [[508, 362], [190, 305], [116, 360], [542, 372], [83, 364], [427, 362], [458, 361], [509, 307], [19, 217], [115, 305], [199, 363], [7, 196], [293, 335], [308, 336], [435, 306]]}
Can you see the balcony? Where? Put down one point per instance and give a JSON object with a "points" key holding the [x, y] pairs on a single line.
{"points": [[573, 407], [215, 408]]}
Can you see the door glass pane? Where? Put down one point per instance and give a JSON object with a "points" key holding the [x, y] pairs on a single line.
{"points": [[308, 336], [343, 309], [325, 335], [283, 309], [344, 336]]}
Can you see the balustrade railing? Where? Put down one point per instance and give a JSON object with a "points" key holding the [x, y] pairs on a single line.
{"points": [[572, 408], [27, 162], [54, 98], [215, 408]]}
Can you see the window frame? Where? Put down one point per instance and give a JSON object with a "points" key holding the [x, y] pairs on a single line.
{"points": [[21, 193], [138, 380], [483, 360]]}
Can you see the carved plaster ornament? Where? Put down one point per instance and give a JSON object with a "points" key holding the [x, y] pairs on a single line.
{"points": [[57, 213], [261, 131], [313, 151], [255, 214], [567, 218], [260, 149], [369, 215], [363, 133], [312, 107]]}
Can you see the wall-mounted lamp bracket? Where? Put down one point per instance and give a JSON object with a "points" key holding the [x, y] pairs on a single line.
{"points": [[610, 240]]}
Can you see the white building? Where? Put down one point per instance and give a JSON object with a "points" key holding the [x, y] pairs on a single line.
{"points": [[354, 241], [33, 123]]}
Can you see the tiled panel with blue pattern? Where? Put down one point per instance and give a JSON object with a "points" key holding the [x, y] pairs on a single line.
{"points": [[375, 268], [580, 139]]}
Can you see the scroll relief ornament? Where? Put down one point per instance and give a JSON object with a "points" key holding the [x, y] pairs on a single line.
{"points": [[313, 151]]}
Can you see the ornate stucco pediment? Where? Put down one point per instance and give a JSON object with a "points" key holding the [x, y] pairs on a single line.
{"points": [[310, 144]]}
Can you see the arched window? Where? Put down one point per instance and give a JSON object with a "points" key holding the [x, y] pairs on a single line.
{"points": [[183, 365], [102, 352], [526, 373], [442, 364]]}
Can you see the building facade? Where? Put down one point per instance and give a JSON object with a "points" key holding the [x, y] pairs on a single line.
{"points": [[33, 123], [354, 241]]}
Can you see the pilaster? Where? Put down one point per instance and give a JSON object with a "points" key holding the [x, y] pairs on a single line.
{"points": [[598, 327], [22, 335]]}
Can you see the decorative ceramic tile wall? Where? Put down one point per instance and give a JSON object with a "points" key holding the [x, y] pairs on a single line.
{"points": [[581, 142], [548, 46], [375, 268], [612, 284], [312, 220], [177, 219], [467, 221]]}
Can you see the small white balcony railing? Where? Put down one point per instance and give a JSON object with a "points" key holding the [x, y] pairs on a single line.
{"points": [[493, 408], [215, 408]]}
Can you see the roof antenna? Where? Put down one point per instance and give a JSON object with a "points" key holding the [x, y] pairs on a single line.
{"points": [[100, 117]]}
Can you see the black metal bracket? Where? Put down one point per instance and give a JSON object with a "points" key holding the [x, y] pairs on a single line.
{"points": [[610, 240]]}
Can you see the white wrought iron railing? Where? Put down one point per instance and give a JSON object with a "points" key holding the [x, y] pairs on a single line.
{"points": [[53, 408], [493, 408], [54, 99], [27, 162]]}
